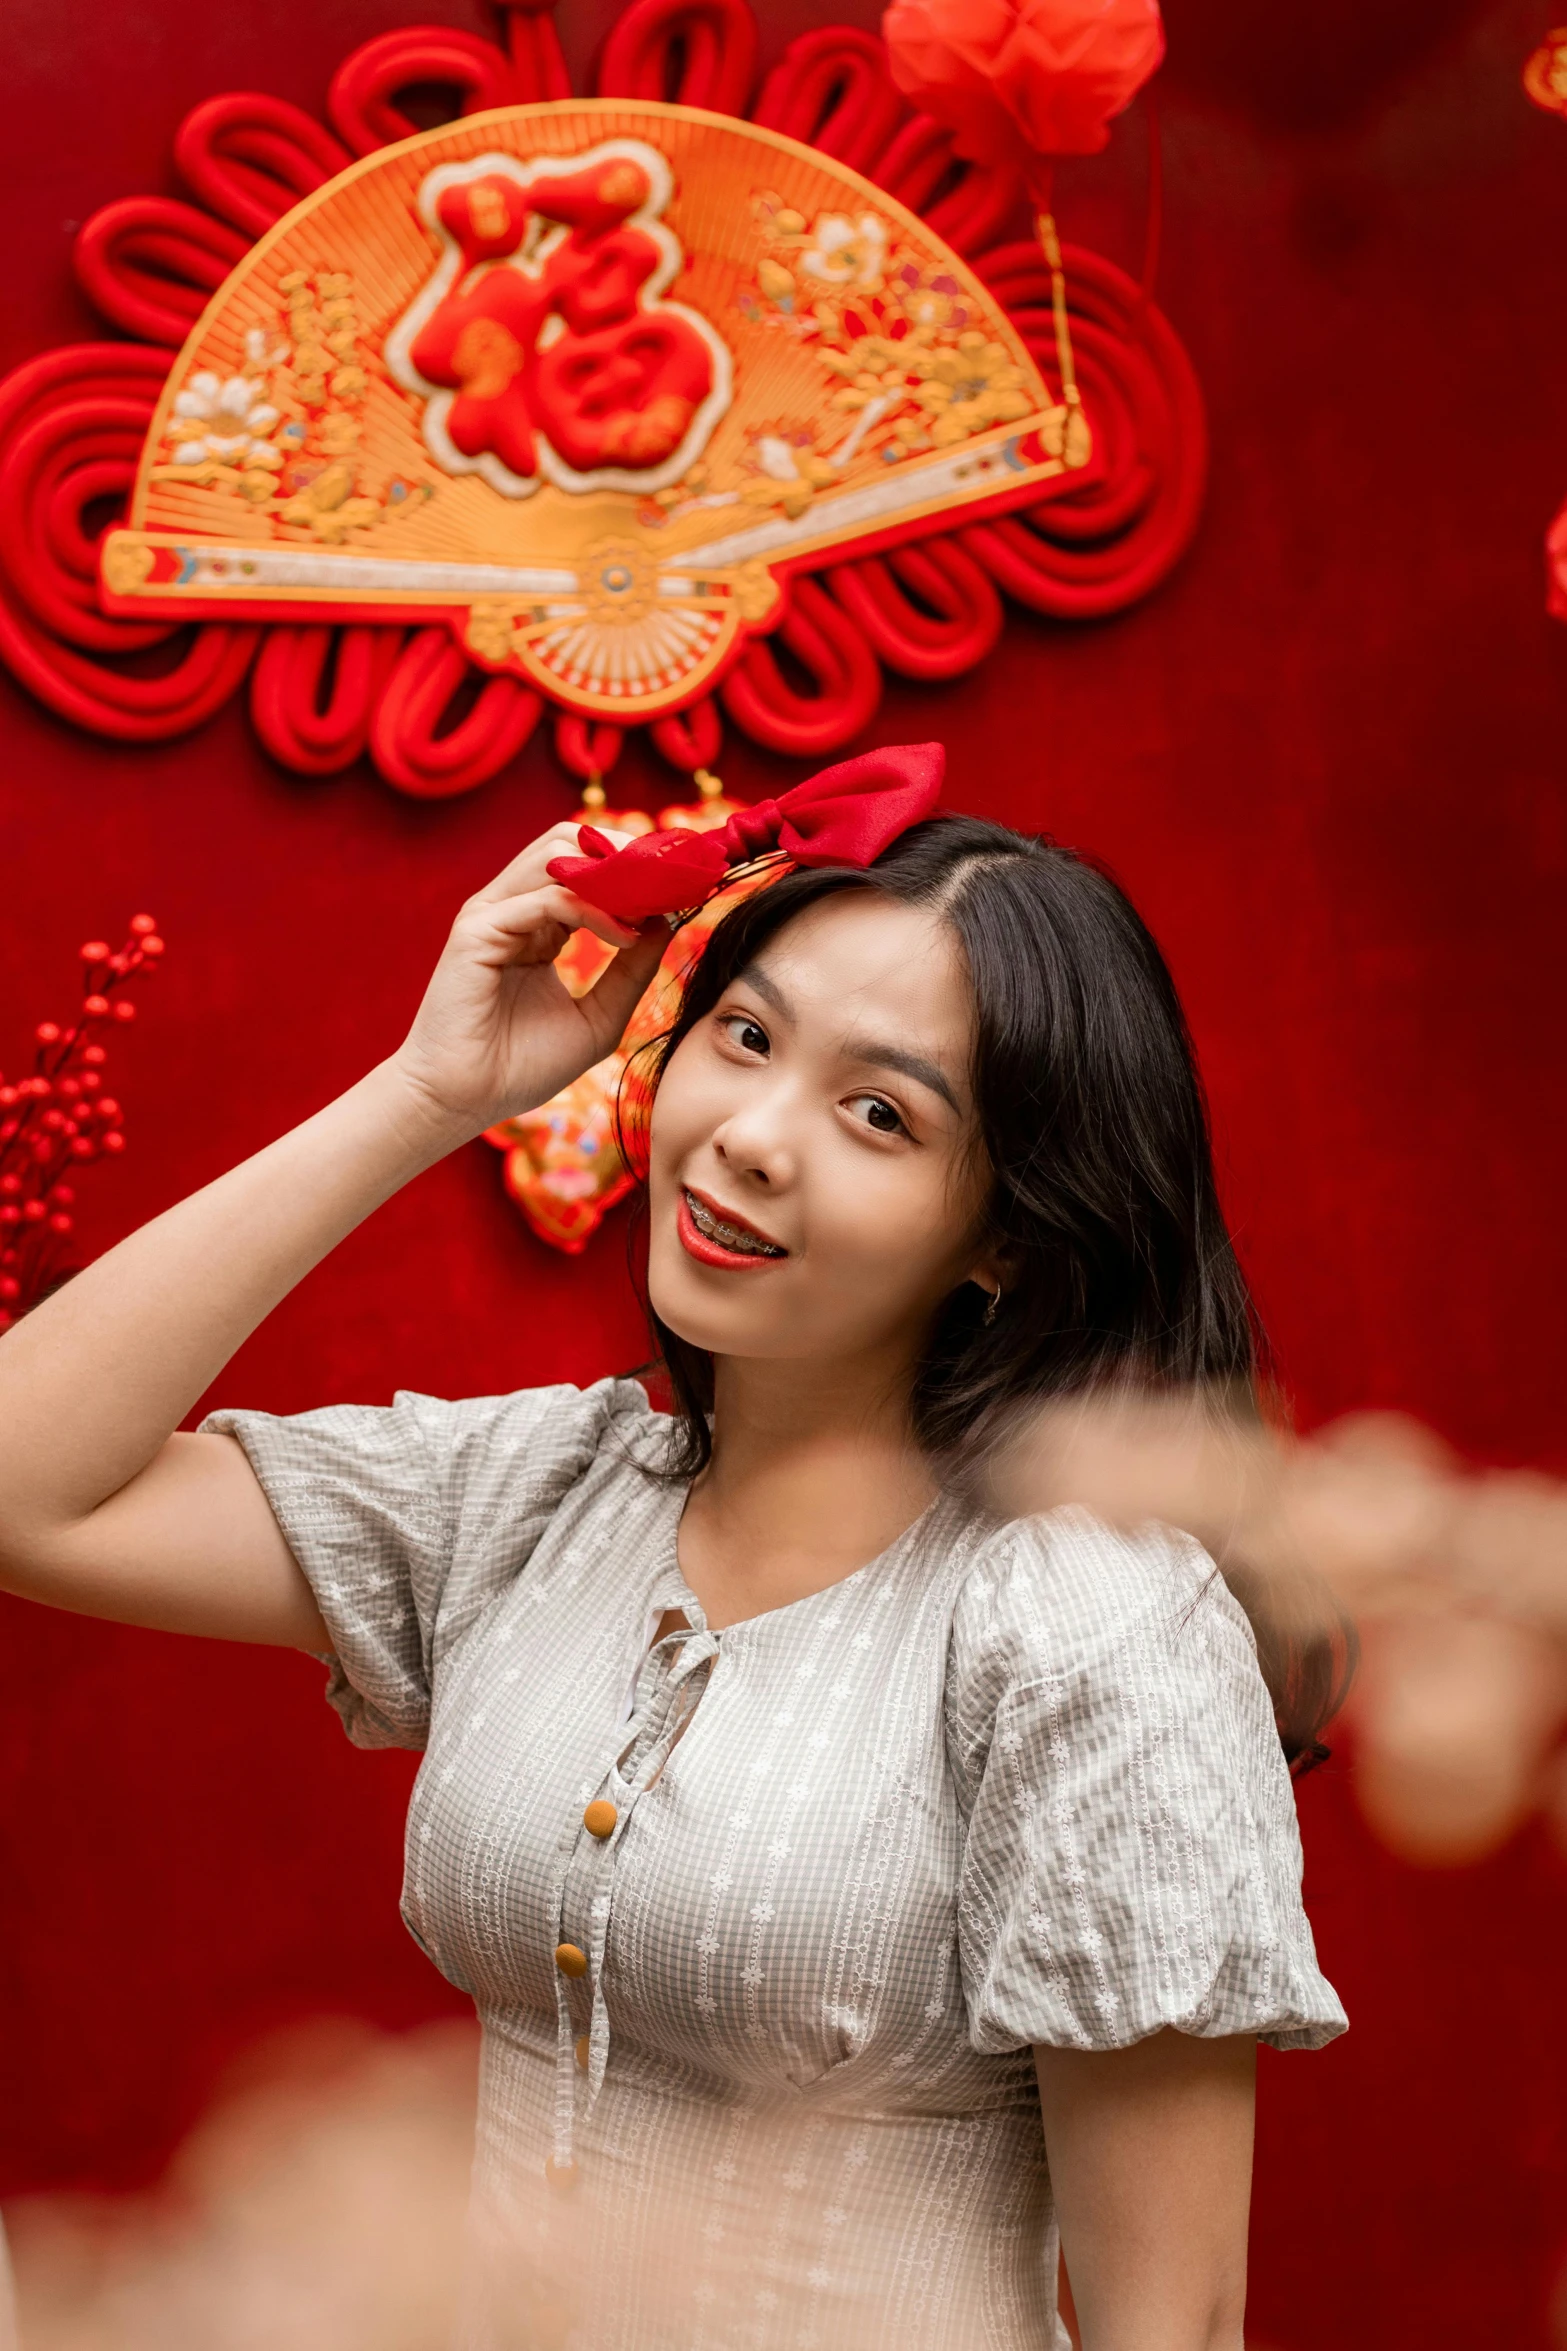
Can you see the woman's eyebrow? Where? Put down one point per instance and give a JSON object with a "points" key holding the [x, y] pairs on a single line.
{"points": [[909, 1065], [756, 979]]}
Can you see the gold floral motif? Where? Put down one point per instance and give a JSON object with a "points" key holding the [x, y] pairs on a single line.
{"points": [[929, 394], [972, 387], [491, 627], [924, 378], [284, 432], [326, 507], [788, 470], [126, 564], [754, 589]]}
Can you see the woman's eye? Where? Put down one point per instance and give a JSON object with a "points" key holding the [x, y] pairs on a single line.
{"points": [[748, 1034], [871, 1111]]}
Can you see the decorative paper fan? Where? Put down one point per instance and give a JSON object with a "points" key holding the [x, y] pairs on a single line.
{"points": [[594, 396]]}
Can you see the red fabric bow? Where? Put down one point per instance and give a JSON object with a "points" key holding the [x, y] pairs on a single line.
{"points": [[847, 815]]}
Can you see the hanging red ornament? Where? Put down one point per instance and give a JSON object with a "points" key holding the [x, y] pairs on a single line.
{"points": [[711, 808], [690, 740], [1020, 81], [1545, 74]]}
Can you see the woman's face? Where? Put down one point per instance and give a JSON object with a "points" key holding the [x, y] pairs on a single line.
{"points": [[812, 1190]]}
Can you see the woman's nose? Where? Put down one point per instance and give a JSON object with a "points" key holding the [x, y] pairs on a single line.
{"points": [[756, 1142]]}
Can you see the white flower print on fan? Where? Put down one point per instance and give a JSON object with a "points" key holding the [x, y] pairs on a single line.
{"points": [[232, 415], [847, 252]]}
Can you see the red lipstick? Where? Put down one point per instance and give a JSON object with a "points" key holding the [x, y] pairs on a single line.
{"points": [[716, 1236]]}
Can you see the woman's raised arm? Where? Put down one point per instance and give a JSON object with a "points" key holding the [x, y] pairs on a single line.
{"points": [[103, 1508]]}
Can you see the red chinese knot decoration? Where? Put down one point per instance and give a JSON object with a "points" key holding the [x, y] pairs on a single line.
{"points": [[587, 403]]}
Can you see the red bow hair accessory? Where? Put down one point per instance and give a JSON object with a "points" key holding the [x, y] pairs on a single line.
{"points": [[847, 815]]}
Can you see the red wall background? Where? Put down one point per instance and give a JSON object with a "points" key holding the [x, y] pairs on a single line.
{"points": [[1326, 759]]}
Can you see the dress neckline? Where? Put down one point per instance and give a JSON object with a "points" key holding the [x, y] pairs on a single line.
{"points": [[671, 1576]]}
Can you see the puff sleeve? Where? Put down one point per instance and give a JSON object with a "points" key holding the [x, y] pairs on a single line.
{"points": [[1131, 1855], [409, 1519]]}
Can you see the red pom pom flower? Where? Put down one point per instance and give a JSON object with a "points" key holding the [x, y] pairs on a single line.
{"points": [[1020, 81]]}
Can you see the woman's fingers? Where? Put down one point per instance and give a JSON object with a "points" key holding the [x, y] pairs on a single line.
{"points": [[529, 868], [615, 994], [533, 926]]}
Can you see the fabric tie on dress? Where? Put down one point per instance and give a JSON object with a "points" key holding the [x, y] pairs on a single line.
{"points": [[847, 815], [694, 1651]]}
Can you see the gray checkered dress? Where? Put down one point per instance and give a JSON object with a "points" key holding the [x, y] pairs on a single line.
{"points": [[1005, 1785]]}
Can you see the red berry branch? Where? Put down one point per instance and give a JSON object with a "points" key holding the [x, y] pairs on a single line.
{"points": [[53, 1122]]}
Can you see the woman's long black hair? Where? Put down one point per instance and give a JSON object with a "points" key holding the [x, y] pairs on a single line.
{"points": [[1103, 1209]]}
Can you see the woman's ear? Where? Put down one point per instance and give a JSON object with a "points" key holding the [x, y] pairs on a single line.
{"points": [[989, 1276], [988, 1273]]}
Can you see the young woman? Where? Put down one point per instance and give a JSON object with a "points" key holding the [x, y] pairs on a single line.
{"points": [[854, 1889]]}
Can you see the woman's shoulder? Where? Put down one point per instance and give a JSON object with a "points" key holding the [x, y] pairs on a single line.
{"points": [[562, 1419], [1132, 1858], [468, 1458], [1064, 1584], [553, 1435], [1100, 1616]]}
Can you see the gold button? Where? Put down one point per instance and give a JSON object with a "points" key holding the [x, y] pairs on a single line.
{"points": [[570, 1959], [600, 1818], [560, 2175], [584, 2049]]}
